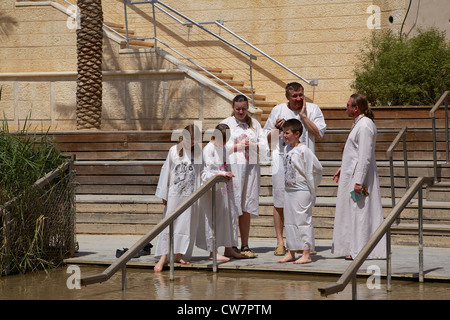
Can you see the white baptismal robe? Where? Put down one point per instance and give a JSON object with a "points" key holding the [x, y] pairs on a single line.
{"points": [[245, 163], [282, 111], [179, 178], [355, 222], [303, 173], [227, 213]]}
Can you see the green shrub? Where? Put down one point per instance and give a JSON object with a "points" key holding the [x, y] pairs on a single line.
{"points": [[396, 71]]}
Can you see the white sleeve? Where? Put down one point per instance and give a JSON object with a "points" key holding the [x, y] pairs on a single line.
{"points": [[162, 190], [210, 167], [309, 166], [319, 120], [366, 146]]}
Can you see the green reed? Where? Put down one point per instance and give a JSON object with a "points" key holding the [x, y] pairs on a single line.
{"points": [[29, 239]]}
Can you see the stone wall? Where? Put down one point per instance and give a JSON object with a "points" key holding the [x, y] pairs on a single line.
{"points": [[141, 89], [146, 90]]}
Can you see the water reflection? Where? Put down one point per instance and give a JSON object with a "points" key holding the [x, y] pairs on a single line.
{"points": [[143, 284]]}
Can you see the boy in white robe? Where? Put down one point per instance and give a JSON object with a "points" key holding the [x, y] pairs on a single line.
{"points": [[179, 178], [227, 212], [303, 173]]}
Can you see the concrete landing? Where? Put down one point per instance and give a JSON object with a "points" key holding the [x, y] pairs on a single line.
{"points": [[100, 250]]}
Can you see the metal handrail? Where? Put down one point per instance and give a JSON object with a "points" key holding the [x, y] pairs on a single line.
{"points": [[389, 153], [219, 23], [352, 269], [442, 99], [121, 262], [312, 82], [189, 23]]}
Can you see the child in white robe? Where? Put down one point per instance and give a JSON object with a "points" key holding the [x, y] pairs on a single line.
{"points": [[303, 173], [227, 211], [179, 178]]}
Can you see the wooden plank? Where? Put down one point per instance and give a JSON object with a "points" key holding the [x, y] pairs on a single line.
{"points": [[118, 180], [115, 146], [114, 189], [118, 170]]}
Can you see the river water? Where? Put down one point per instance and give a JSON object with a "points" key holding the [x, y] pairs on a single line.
{"points": [[144, 284]]}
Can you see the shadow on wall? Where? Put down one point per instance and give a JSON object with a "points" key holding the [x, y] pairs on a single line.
{"points": [[7, 24]]}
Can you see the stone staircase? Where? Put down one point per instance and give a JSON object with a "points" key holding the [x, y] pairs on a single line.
{"points": [[260, 99], [213, 73], [135, 42]]}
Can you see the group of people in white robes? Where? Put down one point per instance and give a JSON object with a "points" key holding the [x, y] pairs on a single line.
{"points": [[236, 150]]}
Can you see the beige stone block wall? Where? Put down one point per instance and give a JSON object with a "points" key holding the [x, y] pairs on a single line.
{"points": [[141, 89], [316, 39]]}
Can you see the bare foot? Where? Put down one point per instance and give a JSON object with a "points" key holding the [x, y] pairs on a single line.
{"points": [[230, 252], [160, 265], [219, 257], [179, 259], [287, 258], [303, 260]]}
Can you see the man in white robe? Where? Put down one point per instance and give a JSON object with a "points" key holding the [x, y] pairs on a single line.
{"points": [[314, 126], [356, 221]]}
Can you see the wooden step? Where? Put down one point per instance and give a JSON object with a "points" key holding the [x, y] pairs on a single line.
{"points": [[210, 69], [137, 44], [114, 24], [265, 105], [220, 75], [118, 214]]}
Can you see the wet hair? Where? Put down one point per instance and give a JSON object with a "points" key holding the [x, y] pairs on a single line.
{"points": [[363, 105], [294, 125], [221, 128], [242, 98], [293, 86], [188, 133]]}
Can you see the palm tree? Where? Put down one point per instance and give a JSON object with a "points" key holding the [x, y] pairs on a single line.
{"points": [[89, 56]]}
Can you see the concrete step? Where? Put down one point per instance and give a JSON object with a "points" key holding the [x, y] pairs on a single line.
{"points": [[439, 191], [137, 214]]}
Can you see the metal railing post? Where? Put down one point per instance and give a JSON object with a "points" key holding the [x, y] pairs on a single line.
{"points": [[446, 131], [171, 253], [442, 99], [405, 161], [214, 228], [354, 287], [154, 25], [124, 277], [388, 261], [251, 81], [433, 121], [420, 235], [390, 154], [126, 22]]}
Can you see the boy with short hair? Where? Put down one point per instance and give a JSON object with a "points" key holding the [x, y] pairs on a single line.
{"points": [[303, 173]]}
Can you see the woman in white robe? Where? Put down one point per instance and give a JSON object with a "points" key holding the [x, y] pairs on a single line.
{"points": [[246, 147], [356, 221], [179, 178]]}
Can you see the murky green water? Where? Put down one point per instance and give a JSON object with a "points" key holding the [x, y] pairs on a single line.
{"points": [[143, 284]]}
